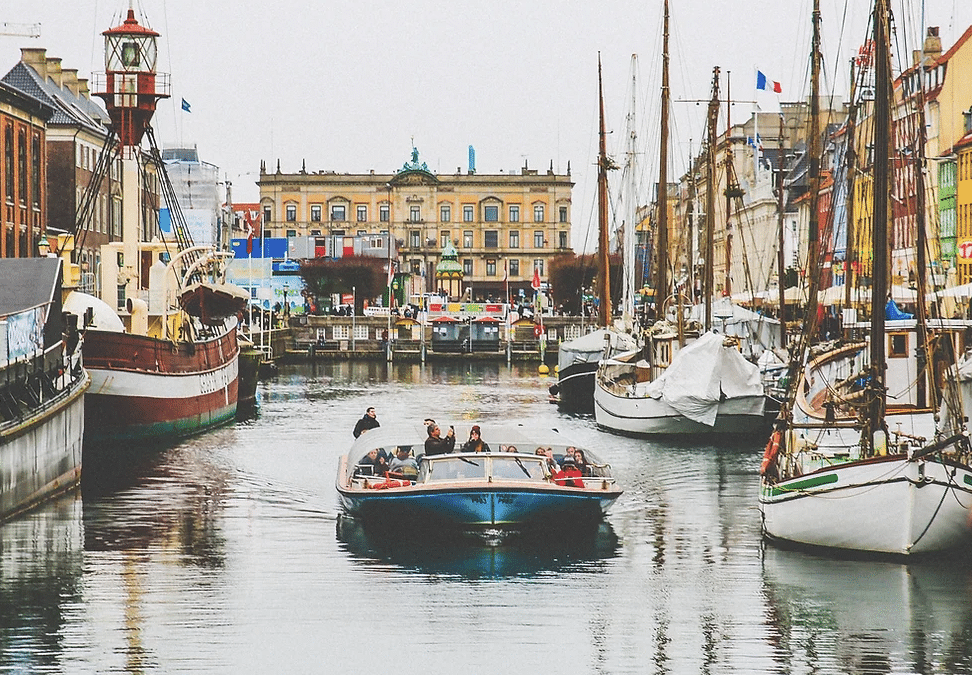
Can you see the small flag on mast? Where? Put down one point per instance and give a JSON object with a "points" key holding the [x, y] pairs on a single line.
{"points": [[185, 106], [765, 84]]}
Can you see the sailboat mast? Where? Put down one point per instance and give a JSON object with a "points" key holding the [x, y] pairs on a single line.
{"points": [[882, 198], [850, 162], [661, 237], [631, 203], [727, 290], [813, 262], [780, 257], [604, 268], [708, 286]]}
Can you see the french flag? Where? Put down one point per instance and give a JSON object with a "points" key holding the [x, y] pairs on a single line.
{"points": [[767, 85]]}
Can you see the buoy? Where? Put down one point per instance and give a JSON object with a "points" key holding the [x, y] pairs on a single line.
{"points": [[544, 369], [557, 369]]}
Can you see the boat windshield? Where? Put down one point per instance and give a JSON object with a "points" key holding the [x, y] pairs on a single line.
{"points": [[453, 468], [517, 468]]}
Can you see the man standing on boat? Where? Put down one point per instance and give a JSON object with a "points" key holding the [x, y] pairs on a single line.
{"points": [[435, 444], [369, 421]]}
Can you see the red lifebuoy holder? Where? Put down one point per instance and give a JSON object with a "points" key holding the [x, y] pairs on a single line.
{"points": [[537, 330], [772, 450]]}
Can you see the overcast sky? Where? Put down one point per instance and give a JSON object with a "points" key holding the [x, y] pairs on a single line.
{"points": [[346, 86]]}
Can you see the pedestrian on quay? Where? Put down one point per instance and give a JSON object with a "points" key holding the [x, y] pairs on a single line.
{"points": [[367, 422]]}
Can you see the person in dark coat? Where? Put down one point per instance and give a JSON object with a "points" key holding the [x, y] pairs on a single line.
{"points": [[475, 442], [369, 421], [435, 444]]}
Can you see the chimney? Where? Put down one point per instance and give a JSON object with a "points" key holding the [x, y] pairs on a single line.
{"points": [[54, 70], [84, 91], [70, 77], [36, 58], [933, 44]]}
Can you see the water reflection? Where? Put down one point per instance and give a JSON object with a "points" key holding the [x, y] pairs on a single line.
{"points": [[41, 566], [163, 498], [493, 555], [856, 616]]}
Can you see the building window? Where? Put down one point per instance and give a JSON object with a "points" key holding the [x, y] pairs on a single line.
{"points": [[538, 213], [415, 214], [491, 214], [514, 267], [315, 233], [362, 213], [514, 239], [467, 213], [291, 213], [514, 213], [467, 266], [563, 214], [383, 212], [338, 212], [562, 239], [291, 233], [538, 265], [315, 213], [444, 237], [414, 238], [445, 213], [491, 267], [417, 267], [491, 238], [538, 239], [467, 239]]}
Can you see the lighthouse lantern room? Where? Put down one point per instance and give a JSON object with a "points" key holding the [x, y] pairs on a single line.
{"points": [[131, 86]]}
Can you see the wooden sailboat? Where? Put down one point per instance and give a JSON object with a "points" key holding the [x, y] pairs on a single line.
{"points": [[668, 387], [577, 359], [870, 453]]}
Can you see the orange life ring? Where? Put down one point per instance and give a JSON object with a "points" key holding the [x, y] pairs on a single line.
{"points": [[772, 450], [389, 484]]}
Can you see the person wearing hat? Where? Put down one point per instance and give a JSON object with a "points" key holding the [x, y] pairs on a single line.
{"points": [[569, 475], [475, 442]]}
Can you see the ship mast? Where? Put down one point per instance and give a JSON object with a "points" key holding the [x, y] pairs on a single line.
{"points": [[882, 198], [603, 164], [661, 237], [708, 285]]}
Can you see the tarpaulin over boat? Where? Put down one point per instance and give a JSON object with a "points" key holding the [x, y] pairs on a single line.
{"points": [[702, 374], [590, 347]]}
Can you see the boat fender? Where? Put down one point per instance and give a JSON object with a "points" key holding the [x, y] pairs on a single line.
{"points": [[389, 484], [772, 450]]}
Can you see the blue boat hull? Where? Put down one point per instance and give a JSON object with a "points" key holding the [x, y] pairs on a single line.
{"points": [[478, 507]]}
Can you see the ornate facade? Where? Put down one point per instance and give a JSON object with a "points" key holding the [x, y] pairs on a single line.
{"points": [[499, 224]]}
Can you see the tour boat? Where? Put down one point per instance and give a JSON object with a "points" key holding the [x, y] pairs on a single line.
{"points": [[500, 489]]}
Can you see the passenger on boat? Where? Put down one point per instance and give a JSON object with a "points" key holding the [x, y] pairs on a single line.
{"points": [[368, 421], [569, 475], [551, 462], [581, 462], [374, 463], [435, 444], [403, 463], [511, 448], [475, 442]]}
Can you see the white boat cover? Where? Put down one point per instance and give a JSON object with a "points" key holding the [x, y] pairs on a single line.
{"points": [[589, 348], [757, 331], [701, 375]]}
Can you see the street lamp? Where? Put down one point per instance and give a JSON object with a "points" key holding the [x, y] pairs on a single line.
{"points": [[43, 247]]}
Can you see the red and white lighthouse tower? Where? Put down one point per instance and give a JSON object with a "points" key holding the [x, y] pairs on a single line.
{"points": [[131, 86]]}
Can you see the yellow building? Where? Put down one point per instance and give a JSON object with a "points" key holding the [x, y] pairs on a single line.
{"points": [[497, 223]]}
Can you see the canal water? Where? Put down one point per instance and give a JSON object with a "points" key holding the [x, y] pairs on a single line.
{"points": [[226, 554]]}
